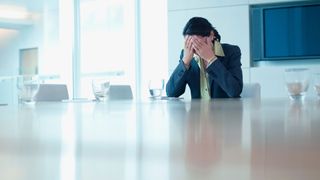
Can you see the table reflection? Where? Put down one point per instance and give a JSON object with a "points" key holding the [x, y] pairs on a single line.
{"points": [[286, 141], [203, 142], [206, 139], [162, 139]]}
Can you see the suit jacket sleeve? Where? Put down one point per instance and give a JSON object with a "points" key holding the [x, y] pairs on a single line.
{"points": [[178, 80], [228, 74]]}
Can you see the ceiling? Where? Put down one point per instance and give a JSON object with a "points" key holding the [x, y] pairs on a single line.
{"points": [[31, 5], [16, 14]]}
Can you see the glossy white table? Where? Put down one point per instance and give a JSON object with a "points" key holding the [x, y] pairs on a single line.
{"points": [[192, 140]]}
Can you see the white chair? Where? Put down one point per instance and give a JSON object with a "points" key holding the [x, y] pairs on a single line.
{"points": [[52, 92], [120, 92], [251, 90]]}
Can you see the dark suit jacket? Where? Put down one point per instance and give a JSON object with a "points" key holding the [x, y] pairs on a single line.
{"points": [[225, 76]]}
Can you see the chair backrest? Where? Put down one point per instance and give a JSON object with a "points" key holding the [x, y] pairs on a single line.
{"points": [[52, 92], [120, 92], [251, 90]]}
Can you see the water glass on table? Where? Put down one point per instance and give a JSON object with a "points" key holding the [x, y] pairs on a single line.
{"points": [[297, 82], [156, 86], [100, 88], [27, 88], [317, 84]]}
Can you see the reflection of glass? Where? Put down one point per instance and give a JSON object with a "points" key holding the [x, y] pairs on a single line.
{"points": [[317, 83], [297, 82], [298, 120], [156, 87], [28, 87], [100, 88]]}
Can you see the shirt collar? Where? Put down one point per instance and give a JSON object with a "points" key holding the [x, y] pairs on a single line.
{"points": [[218, 49]]}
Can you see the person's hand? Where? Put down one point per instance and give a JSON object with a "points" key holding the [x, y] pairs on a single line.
{"points": [[188, 50], [203, 47]]}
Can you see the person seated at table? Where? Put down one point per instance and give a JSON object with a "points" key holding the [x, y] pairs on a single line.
{"points": [[211, 69]]}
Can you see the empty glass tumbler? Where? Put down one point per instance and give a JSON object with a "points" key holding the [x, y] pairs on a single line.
{"points": [[156, 86], [100, 88], [27, 88]]}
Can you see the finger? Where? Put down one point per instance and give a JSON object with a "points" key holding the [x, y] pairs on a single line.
{"points": [[196, 48], [200, 41], [208, 41], [189, 43], [185, 41], [196, 43]]}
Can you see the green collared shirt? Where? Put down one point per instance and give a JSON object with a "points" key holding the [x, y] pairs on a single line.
{"points": [[204, 81]]}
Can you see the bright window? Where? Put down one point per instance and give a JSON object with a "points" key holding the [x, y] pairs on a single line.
{"points": [[107, 43]]}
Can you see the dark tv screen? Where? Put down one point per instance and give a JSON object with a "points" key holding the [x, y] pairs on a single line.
{"points": [[291, 32]]}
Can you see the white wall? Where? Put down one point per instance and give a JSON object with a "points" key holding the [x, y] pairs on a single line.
{"points": [[231, 18], [41, 32], [194, 4], [7, 57]]}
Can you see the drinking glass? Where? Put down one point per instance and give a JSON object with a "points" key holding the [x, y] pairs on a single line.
{"points": [[156, 87], [100, 88], [28, 87], [297, 82], [317, 83]]}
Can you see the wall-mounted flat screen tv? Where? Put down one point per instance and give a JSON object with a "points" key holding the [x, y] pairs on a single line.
{"points": [[286, 31]]}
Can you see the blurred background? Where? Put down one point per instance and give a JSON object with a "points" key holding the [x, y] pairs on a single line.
{"points": [[125, 41]]}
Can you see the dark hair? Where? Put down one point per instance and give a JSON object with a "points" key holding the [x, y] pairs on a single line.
{"points": [[200, 26]]}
